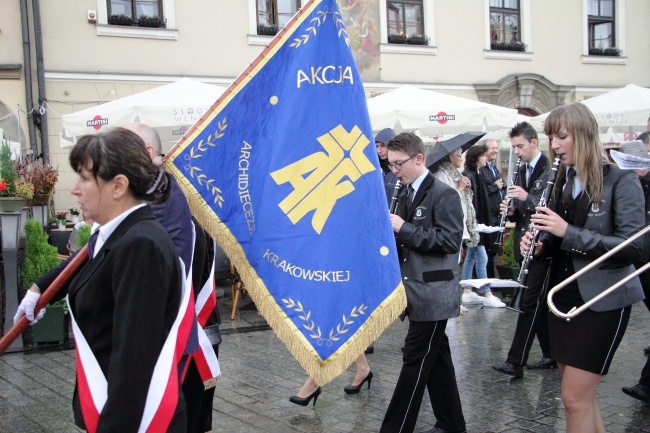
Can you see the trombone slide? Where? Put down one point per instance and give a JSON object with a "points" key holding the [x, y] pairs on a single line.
{"points": [[577, 310]]}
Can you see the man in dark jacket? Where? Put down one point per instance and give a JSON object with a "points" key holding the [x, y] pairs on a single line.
{"points": [[531, 181], [492, 178], [381, 140]]}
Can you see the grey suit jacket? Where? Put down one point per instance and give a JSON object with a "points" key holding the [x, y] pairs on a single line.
{"points": [[429, 244], [598, 229]]}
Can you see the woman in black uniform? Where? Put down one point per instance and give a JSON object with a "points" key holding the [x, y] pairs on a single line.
{"points": [[594, 207]]}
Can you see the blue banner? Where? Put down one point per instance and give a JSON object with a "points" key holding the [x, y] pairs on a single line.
{"points": [[284, 174]]}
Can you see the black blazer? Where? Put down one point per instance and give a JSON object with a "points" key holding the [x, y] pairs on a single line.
{"points": [[125, 301], [597, 229], [524, 209], [429, 242], [495, 196]]}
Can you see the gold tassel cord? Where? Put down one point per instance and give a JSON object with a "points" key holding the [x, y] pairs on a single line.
{"points": [[211, 383]]}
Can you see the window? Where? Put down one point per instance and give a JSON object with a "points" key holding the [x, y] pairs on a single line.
{"points": [[407, 27], [601, 24], [405, 18], [275, 14], [136, 8], [113, 19], [505, 25]]}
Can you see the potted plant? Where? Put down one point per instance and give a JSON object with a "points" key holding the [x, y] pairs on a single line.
{"points": [[508, 46], [508, 266], [25, 190], [61, 218], [151, 21], [9, 201], [42, 177], [267, 30], [40, 257], [418, 40], [120, 20], [397, 39], [612, 51], [74, 214]]}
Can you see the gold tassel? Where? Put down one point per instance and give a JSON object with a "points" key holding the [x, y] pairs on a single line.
{"points": [[211, 383]]}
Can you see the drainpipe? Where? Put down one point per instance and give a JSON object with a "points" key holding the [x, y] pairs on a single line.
{"points": [[27, 65], [40, 73]]}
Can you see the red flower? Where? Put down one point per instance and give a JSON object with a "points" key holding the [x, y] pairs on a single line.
{"points": [[3, 186]]}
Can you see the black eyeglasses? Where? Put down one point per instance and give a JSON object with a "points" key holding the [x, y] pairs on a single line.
{"points": [[398, 165]]}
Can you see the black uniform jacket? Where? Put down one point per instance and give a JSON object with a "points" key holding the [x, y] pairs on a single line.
{"points": [[125, 301], [429, 242]]}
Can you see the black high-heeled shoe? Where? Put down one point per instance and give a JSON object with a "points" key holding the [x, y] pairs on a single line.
{"points": [[354, 389], [304, 401]]}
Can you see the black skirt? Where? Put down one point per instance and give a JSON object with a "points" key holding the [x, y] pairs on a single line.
{"points": [[588, 341]]}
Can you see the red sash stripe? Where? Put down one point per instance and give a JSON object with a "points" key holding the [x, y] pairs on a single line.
{"points": [[162, 396]]}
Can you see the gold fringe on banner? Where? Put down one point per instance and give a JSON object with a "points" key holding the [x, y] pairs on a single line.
{"points": [[322, 371]]}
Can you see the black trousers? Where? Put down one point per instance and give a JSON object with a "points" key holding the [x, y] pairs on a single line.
{"points": [[427, 364], [534, 317], [490, 248], [645, 283], [198, 400]]}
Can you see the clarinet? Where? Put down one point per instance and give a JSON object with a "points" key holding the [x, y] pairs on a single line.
{"points": [[393, 200], [543, 202], [504, 214]]}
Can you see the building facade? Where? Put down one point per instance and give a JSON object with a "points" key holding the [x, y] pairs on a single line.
{"points": [[524, 54]]}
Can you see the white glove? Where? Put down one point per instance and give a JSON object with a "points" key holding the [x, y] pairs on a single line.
{"points": [[27, 307]]}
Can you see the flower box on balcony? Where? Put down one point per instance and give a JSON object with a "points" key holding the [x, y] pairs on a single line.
{"points": [[120, 20], [418, 40], [613, 52], [267, 30], [397, 39], [154, 22], [505, 46]]}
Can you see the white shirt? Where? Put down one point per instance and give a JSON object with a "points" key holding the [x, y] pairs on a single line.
{"points": [[417, 182], [533, 163], [107, 229]]}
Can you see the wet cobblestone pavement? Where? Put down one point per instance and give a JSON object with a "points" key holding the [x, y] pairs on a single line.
{"points": [[259, 375]]}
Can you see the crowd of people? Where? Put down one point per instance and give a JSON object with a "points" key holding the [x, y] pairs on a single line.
{"points": [[137, 328]]}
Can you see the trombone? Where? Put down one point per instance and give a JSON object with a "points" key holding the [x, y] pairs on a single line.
{"points": [[577, 310]]}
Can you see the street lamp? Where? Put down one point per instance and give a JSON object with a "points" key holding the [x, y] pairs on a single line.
{"points": [[10, 228], [39, 213], [25, 215]]}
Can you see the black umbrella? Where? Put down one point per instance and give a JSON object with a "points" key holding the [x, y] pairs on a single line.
{"points": [[444, 148]]}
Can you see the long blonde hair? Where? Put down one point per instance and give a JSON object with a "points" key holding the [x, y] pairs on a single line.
{"points": [[588, 153]]}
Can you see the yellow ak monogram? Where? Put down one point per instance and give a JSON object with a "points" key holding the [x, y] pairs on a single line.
{"points": [[325, 173]]}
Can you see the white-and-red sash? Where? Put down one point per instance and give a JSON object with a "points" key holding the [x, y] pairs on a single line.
{"points": [[205, 359], [162, 396]]}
